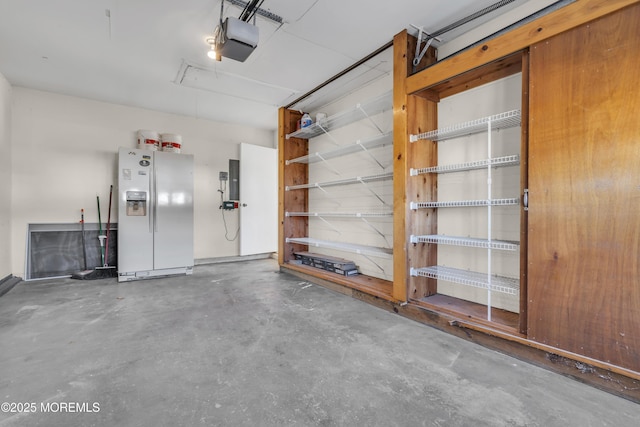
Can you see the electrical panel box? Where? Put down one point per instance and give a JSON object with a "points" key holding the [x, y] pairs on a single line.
{"points": [[234, 179], [223, 176]]}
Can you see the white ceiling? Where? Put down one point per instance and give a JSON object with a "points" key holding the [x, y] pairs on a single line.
{"points": [[152, 53]]}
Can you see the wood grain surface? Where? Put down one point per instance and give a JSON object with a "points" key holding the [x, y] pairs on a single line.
{"points": [[584, 181]]}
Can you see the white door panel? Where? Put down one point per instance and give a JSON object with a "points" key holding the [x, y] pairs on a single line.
{"points": [[258, 199]]}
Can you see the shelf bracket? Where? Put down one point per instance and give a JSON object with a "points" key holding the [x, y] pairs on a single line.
{"points": [[328, 165], [374, 263], [371, 191], [370, 119], [326, 193], [376, 230], [319, 187], [329, 224], [370, 155], [326, 131]]}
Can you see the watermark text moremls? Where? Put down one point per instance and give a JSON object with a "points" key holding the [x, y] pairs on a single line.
{"points": [[68, 407], [49, 407]]}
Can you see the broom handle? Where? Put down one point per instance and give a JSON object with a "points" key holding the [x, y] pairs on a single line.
{"points": [[84, 249], [100, 232], [106, 251]]}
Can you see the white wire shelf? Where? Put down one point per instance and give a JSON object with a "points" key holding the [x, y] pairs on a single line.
{"points": [[505, 161], [358, 112], [502, 284], [498, 121], [470, 242], [347, 247], [362, 179], [358, 146], [341, 214], [464, 203]]}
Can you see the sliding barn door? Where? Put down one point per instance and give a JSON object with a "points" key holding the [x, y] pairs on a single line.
{"points": [[584, 187]]}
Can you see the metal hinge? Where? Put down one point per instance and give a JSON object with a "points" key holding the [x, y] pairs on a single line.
{"points": [[525, 199]]}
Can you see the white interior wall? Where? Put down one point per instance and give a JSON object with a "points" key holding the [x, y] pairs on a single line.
{"points": [[5, 177], [64, 152], [354, 197], [493, 98]]}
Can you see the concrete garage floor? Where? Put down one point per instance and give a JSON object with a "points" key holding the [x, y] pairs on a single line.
{"points": [[240, 344]]}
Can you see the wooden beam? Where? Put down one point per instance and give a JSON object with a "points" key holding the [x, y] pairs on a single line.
{"points": [[591, 362], [518, 39], [423, 113], [296, 201], [281, 160], [495, 70], [422, 188], [401, 63]]}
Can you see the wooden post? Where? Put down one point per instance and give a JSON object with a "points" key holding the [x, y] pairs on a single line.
{"points": [[298, 173]]}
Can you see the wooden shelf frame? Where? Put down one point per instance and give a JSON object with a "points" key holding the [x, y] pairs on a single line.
{"points": [[415, 99], [421, 196], [485, 125], [294, 188]]}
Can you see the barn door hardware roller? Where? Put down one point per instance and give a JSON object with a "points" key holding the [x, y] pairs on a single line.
{"points": [[429, 38]]}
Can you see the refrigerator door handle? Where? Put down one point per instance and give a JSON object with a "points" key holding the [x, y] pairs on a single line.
{"points": [[150, 202], [155, 200]]}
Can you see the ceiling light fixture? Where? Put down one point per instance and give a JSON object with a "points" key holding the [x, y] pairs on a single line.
{"points": [[213, 53]]}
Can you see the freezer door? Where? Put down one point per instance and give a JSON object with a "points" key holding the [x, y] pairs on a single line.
{"points": [[135, 226], [173, 215]]}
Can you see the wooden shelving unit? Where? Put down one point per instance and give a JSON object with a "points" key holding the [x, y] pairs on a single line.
{"points": [[579, 302], [296, 190], [565, 139], [488, 280]]}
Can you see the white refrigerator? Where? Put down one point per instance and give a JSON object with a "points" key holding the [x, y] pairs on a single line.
{"points": [[155, 214]]}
